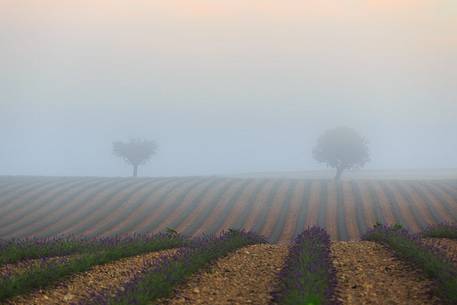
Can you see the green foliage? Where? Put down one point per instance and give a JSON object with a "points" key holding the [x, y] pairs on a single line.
{"points": [[160, 281], [397, 226], [308, 276], [342, 148], [410, 248], [136, 151], [444, 230], [43, 276], [31, 249], [171, 232], [377, 224]]}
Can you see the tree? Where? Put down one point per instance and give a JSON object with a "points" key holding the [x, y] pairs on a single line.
{"points": [[136, 152], [342, 148]]}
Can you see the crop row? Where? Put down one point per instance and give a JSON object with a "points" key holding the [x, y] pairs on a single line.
{"points": [[16, 250], [91, 253], [308, 275], [278, 209], [433, 262], [149, 284], [159, 281]]}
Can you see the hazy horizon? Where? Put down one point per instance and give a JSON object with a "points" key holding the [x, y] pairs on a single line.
{"points": [[224, 87]]}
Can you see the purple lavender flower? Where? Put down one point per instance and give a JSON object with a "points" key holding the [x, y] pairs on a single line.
{"points": [[308, 276]]}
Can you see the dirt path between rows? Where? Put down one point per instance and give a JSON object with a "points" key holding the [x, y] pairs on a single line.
{"points": [[368, 273], [104, 279], [246, 276]]}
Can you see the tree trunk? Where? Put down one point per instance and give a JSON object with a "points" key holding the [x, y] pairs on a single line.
{"points": [[339, 172], [135, 170]]}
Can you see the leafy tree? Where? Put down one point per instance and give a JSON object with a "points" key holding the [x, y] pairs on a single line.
{"points": [[136, 152], [343, 149]]}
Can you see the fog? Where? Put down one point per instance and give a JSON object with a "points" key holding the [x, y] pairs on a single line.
{"points": [[224, 87]]}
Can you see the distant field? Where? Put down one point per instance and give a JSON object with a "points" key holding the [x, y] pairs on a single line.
{"points": [[277, 208], [404, 174]]}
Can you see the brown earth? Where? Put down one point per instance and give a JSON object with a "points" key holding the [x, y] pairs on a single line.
{"points": [[368, 273], [246, 276], [407, 202], [105, 279]]}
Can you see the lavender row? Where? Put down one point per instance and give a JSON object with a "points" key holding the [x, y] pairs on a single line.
{"points": [[157, 281], [431, 260], [443, 230], [44, 275], [16, 250], [308, 276], [23, 266]]}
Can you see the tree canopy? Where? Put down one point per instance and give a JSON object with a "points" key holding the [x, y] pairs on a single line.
{"points": [[342, 148], [136, 152]]}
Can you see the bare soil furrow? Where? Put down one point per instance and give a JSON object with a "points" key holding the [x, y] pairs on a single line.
{"points": [[246, 276], [239, 207], [293, 212], [351, 211], [216, 214], [260, 203], [314, 204], [368, 273]]}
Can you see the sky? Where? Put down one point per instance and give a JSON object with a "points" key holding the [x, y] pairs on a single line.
{"points": [[224, 87]]}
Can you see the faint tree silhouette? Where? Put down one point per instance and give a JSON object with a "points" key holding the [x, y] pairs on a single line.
{"points": [[342, 148], [136, 152]]}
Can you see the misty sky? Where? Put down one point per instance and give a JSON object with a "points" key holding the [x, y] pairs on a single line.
{"points": [[226, 86]]}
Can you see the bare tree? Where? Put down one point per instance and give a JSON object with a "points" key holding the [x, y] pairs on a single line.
{"points": [[136, 152], [342, 148]]}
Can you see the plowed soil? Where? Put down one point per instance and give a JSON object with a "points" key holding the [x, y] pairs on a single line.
{"points": [[246, 276], [368, 273]]}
